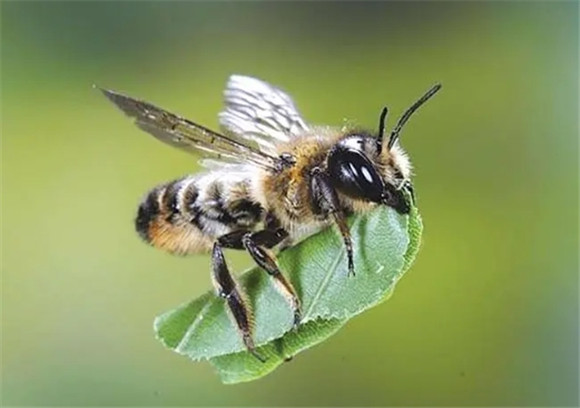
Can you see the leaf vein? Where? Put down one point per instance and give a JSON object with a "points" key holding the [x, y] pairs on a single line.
{"points": [[191, 329], [324, 284]]}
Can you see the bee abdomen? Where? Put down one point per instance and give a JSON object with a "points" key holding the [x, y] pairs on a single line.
{"points": [[160, 223], [147, 212], [187, 215]]}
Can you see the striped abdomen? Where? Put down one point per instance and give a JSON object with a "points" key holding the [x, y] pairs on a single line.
{"points": [[187, 215]]}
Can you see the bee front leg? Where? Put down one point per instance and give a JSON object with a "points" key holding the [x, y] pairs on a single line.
{"points": [[227, 288], [326, 201]]}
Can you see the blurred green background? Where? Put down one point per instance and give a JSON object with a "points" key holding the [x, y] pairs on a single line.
{"points": [[487, 316]]}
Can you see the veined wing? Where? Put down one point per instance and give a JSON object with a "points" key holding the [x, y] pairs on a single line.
{"points": [[260, 112], [186, 135]]}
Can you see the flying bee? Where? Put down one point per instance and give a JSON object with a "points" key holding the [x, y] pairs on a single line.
{"points": [[271, 180]]}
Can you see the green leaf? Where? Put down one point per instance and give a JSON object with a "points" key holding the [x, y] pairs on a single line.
{"points": [[385, 245], [242, 366]]}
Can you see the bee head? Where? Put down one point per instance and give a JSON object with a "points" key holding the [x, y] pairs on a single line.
{"points": [[353, 170], [353, 163]]}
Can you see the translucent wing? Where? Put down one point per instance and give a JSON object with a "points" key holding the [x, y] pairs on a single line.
{"points": [[260, 112], [184, 134]]}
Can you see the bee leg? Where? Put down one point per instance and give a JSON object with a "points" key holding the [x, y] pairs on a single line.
{"points": [[340, 220], [327, 202], [227, 288], [257, 245]]}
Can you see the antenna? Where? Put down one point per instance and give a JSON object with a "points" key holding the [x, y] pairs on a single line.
{"points": [[395, 133], [382, 120]]}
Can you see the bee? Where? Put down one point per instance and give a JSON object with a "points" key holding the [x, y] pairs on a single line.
{"points": [[271, 180]]}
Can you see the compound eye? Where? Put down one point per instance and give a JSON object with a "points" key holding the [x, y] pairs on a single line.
{"points": [[354, 175]]}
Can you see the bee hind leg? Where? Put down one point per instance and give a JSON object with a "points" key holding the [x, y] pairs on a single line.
{"points": [[228, 289]]}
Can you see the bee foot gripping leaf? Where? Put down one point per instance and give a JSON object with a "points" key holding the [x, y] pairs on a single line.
{"points": [[385, 245]]}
